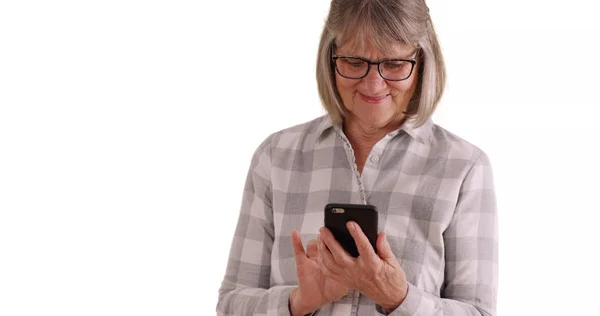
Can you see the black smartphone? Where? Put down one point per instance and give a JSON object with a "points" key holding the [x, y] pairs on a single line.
{"points": [[337, 215]]}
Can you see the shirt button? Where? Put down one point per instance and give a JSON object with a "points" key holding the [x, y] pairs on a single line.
{"points": [[375, 158]]}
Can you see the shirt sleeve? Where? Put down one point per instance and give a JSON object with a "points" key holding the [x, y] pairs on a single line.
{"points": [[471, 251], [246, 288]]}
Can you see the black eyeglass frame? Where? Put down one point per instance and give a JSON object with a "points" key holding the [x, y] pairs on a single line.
{"points": [[412, 62]]}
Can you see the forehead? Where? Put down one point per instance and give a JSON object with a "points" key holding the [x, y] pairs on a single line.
{"points": [[367, 48]]}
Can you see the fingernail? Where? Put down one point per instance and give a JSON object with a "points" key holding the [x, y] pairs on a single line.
{"points": [[351, 225]]}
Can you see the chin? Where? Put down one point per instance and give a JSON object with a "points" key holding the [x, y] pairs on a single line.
{"points": [[377, 121], [377, 118]]}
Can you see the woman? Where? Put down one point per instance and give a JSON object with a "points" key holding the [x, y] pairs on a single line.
{"points": [[380, 75]]}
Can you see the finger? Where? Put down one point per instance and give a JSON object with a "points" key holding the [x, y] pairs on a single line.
{"points": [[325, 257], [312, 249], [299, 253], [362, 242], [339, 253], [384, 249], [326, 270]]}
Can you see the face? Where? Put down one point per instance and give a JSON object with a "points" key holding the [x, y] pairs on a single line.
{"points": [[372, 101]]}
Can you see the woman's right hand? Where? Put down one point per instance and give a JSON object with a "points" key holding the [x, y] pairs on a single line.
{"points": [[314, 289]]}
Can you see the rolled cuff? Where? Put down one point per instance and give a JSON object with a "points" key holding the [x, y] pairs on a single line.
{"points": [[415, 303], [281, 300]]}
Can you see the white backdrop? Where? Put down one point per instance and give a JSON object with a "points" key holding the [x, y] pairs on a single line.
{"points": [[127, 127]]}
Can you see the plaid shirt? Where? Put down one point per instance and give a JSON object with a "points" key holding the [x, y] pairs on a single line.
{"points": [[436, 202]]}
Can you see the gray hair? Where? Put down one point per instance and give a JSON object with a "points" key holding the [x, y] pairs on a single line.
{"points": [[381, 23]]}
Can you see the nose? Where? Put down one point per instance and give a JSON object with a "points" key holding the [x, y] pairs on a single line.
{"points": [[373, 80]]}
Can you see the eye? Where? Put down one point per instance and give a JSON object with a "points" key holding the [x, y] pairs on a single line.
{"points": [[395, 65], [352, 62]]}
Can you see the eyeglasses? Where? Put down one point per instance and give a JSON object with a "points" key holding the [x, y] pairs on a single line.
{"points": [[393, 69]]}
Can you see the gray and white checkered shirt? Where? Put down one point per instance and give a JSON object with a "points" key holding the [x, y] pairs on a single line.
{"points": [[436, 202]]}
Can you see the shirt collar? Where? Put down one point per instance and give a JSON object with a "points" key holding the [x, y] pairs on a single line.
{"points": [[422, 133], [324, 125]]}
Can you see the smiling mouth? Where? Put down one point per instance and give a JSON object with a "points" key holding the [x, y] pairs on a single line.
{"points": [[373, 99]]}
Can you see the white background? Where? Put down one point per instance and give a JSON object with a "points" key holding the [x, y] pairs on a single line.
{"points": [[127, 127]]}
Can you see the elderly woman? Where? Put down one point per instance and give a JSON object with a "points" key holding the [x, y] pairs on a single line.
{"points": [[380, 75]]}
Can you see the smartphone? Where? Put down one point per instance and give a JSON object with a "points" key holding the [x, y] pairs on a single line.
{"points": [[337, 215]]}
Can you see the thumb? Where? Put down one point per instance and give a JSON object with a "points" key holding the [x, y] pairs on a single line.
{"points": [[384, 250]]}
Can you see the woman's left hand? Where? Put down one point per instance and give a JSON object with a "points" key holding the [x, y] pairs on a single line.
{"points": [[376, 275]]}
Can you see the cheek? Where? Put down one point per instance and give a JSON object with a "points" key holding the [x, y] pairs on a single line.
{"points": [[344, 82], [345, 87], [404, 88]]}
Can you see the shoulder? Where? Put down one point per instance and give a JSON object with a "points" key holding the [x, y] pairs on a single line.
{"points": [[459, 157], [447, 144], [298, 136]]}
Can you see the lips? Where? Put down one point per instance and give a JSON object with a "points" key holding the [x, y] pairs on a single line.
{"points": [[373, 99]]}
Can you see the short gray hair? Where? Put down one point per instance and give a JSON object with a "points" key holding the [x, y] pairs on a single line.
{"points": [[381, 23]]}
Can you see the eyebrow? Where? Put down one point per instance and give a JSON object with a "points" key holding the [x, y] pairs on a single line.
{"points": [[413, 53]]}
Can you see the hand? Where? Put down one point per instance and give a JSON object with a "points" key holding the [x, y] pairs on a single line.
{"points": [[314, 289], [378, 276]]}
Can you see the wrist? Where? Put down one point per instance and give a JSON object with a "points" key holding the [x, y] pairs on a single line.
{"points": [[395, 302], [296, 306]]}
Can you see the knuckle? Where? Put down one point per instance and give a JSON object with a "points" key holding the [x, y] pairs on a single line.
{"points": [[345, 261], [340, 260], [364, 246], [369, 269], [372, 271]]}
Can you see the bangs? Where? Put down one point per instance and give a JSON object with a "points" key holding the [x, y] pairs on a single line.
{"points": [[369, 23]]}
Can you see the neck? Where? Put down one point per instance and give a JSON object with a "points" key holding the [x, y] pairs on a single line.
{"points": [[363, 137]]}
